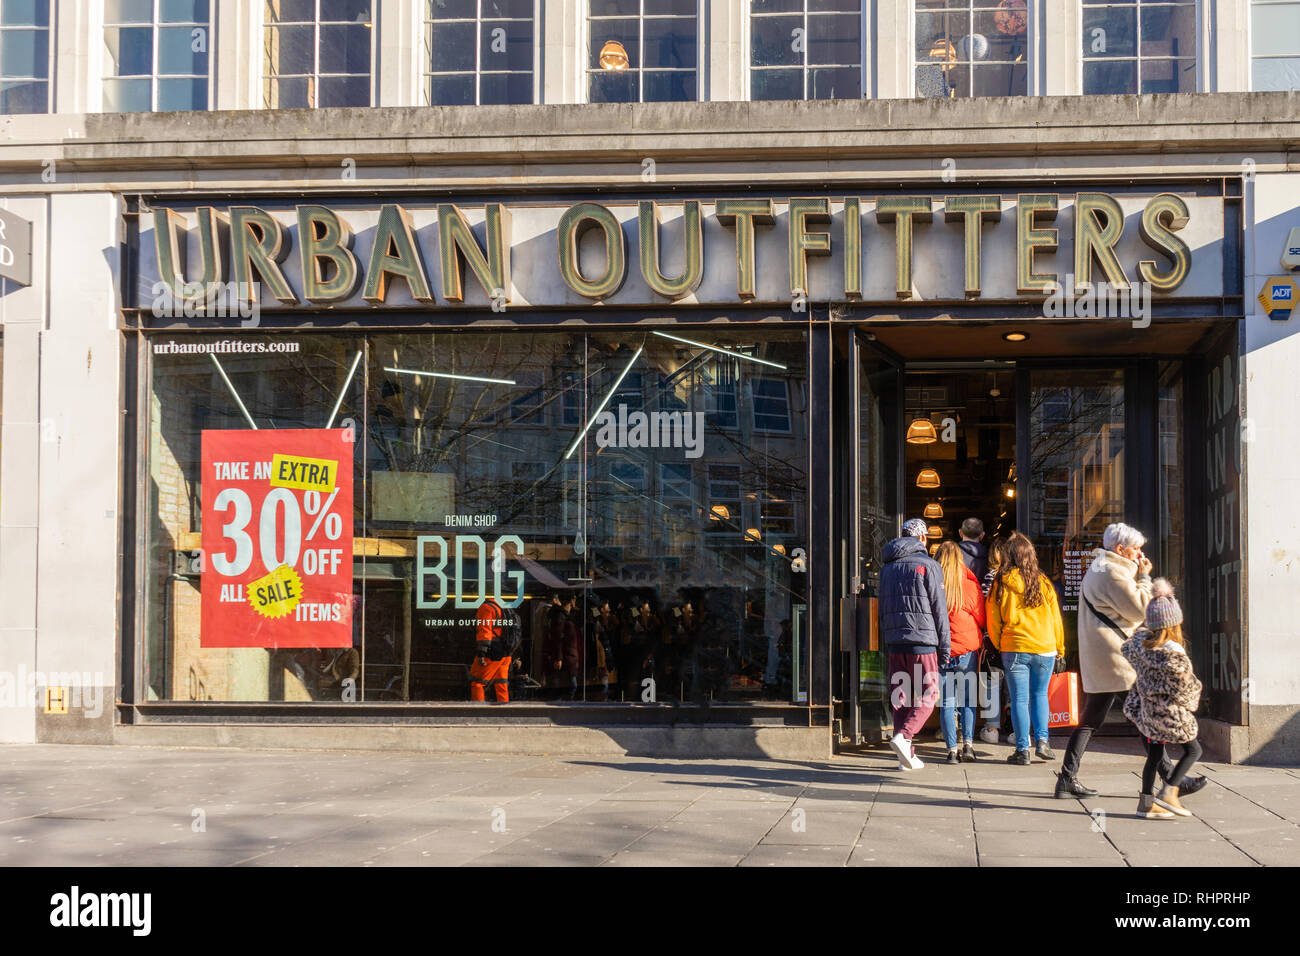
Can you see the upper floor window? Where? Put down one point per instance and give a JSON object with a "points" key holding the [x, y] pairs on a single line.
{"points": [[972, 48], [478, 52], [642, 50], [805, 49], [156, 55], [25, 56], [1132, 47], [318, 53], [1274, 45]]}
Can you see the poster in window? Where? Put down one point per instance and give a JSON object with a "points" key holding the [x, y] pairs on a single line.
{"points": [[277, 538]]}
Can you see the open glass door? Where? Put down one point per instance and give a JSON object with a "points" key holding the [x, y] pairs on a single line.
{"points": [[875, 503]]}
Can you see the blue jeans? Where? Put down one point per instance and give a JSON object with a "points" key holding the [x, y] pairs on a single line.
{"points": [[1028, 676], [957, 683]]}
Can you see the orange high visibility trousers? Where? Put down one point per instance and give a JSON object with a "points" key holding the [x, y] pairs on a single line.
{"points": [[496, 673]]}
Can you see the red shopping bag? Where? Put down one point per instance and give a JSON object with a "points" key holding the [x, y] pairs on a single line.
{"points": [[1063, 700]]}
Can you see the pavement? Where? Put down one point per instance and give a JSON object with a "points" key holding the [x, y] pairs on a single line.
{"points": [[64, 805]]}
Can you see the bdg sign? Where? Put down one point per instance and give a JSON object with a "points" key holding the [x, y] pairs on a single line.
{"points": [[887, 249], [15, 248]]}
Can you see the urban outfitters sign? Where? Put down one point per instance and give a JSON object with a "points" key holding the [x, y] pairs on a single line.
{"points": [[787, 253]]}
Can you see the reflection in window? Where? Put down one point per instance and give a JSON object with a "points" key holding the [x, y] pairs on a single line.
{"points": [[318, 53], [1275, 44], [642, 51], [805, 49], [1131, 47], [1076, 473], [771, 405], [25, 57], [971, 48], [651, 545], [478, 52], [156, 55]]}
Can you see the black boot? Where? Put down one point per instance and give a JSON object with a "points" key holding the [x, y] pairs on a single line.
{"points": [[1068, 785], [1189, 785]]}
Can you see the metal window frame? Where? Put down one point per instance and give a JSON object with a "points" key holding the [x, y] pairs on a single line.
{"points": [[315, 75], [1031, 52], [641, 17], [866, 12], [155, 25], [1137, 57], [428, 72], [1251, 57], [49, 31]]}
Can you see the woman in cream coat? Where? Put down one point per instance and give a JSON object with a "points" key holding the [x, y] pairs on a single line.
{"points": [[1113, 602]]}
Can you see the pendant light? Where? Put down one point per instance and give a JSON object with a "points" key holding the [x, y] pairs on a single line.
{"points": [[613, 56], [921, 432], [928, 478], [933, 510], [934, 531]]}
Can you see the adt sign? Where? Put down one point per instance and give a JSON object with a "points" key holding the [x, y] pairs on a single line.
{"points": [[15, 248]]}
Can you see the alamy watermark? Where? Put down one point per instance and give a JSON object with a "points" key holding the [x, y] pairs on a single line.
{"points": [[21, 689], [651, 430], [1098, 300], [212, 300]]}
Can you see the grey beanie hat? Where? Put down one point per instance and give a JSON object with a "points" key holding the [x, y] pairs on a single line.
{"points": [[915, 528], [1163, 611]]}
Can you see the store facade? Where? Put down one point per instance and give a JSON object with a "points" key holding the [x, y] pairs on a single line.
{"points": [[648, 433]]}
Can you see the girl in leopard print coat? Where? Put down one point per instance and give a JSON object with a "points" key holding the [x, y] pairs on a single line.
{"points": [[1163, 702]]}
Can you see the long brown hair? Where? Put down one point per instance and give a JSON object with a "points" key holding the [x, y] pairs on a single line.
{"points": [[1022, 556], [953, 574], [997, 554], [1164, 636]]}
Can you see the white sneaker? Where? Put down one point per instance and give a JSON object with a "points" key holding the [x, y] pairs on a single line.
{"points": [[989, 734], [907, 758]]}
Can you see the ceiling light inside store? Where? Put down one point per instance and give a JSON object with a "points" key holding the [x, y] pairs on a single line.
{"points": [[716, 348], [934, 531], [933, 510], [1016, 336], [719, 512], [921, 432], [459, 378], [928, 478]]}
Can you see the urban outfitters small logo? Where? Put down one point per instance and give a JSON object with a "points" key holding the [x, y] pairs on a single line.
{"points": [[653, 430], [74, 909]]}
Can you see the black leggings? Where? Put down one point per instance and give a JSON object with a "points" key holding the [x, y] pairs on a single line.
{"points": [[1156, 753]]}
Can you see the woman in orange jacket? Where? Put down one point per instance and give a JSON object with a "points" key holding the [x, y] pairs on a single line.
{"points": [[959, 679], [1024, 621]]}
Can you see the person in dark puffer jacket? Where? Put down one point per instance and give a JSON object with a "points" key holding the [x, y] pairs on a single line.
{"points": [[914, 629]]}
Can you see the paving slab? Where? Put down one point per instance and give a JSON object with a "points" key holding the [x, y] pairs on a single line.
{"points": [[62, 805], [811, 855]]}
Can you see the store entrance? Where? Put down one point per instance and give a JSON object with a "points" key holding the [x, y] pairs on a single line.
{"points": [[1035, 445], [959, 451]]}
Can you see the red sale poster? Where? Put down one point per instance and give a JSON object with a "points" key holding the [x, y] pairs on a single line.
{"points": [[277, 538]]}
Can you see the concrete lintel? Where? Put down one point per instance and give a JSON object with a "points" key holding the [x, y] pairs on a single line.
{"points": [[1034, 125]]}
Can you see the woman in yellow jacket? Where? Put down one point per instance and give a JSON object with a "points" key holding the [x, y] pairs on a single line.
{"points": [[1024, 623]]}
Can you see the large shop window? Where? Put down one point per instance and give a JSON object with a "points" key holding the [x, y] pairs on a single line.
{"points": [[478, 52], [643, 51], [1275, 45], [25, 57], [805, 49], [1139, 47], [156, 55], [318, 53], [972, 48], [575, 497]]}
